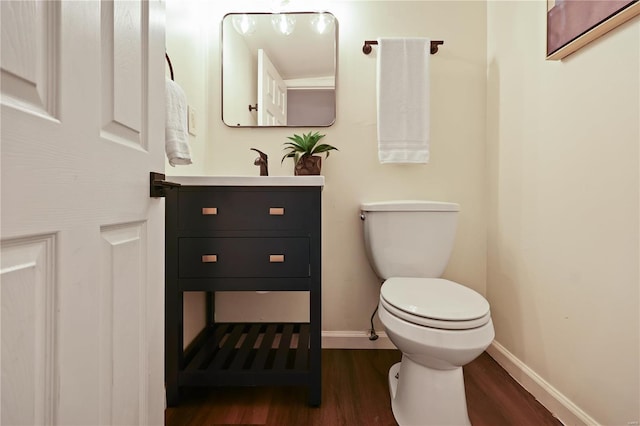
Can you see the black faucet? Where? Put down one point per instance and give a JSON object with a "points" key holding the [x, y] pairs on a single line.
{"points": [[262, 161]]}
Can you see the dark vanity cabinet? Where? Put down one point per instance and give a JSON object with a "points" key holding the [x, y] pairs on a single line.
{"points": [[242, 238]]}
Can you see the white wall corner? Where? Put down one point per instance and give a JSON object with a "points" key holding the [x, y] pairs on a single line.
{"points": [[355, 340], [559, 405]]}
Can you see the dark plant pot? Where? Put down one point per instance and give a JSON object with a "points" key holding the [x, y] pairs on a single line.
{"points": [[308, 165]]}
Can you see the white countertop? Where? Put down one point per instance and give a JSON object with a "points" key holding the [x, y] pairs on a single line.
{"points": [[248, 180]]}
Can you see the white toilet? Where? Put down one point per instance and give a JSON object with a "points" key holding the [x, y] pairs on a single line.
{"points": [[437, 324]]}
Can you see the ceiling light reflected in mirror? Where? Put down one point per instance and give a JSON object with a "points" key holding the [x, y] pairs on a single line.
{"points": [[322, 22], [283, 23], [244, 24]]}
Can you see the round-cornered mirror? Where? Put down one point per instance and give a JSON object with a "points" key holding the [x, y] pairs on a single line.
{"points": [[279, 69]]}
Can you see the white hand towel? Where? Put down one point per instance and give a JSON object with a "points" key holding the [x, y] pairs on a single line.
{"points": [[403, 100], [175, 132]]}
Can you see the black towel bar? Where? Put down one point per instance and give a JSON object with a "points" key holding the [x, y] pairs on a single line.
{"points": [[366, 49]]}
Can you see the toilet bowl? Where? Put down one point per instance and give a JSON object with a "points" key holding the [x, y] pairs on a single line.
{"points": [[437, 324], [436, 336]]}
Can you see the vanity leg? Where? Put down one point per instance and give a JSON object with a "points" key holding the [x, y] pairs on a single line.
{"points": [[173, 396], [173, 303], [315, 319], [315, 310], [171, 361], [173, 347], [211, 308], [315, 361], [315, 370]]}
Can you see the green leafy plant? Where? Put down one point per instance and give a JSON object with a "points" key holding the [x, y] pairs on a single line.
{"points": [[305, 145]]}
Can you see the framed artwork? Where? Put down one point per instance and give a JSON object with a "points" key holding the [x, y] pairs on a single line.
{"points": [[571, 24]]}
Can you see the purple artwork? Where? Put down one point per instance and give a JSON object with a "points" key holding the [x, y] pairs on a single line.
{"points": [[573, 23]]}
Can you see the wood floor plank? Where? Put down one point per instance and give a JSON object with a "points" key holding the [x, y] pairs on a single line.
{"points": [[495, 398], [355, 392]]}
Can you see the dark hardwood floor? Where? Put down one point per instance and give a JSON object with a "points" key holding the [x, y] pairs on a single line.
{"points": [[354, 393]]}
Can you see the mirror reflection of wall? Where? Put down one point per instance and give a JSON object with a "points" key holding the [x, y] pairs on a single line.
{"points": [[285, 64], [239, 82], [315, 107]]}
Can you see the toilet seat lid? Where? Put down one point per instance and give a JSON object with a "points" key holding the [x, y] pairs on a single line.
{"points": [[435, 299]]}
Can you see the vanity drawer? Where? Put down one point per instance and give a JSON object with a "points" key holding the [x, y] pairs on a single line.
{"points": [[246, 210], [243, 257]]}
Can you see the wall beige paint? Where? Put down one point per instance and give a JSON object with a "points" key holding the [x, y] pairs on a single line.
{"points": [[456, 171], [186, 45], [562, 161], [548, 149]]}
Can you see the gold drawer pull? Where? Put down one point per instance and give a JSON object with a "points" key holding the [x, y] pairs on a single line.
{"points": [[206, 211], [276, 211], [276, 258], [209, 258]]}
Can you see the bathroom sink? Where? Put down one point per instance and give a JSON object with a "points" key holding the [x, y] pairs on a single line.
{"points": [[248, 180]]}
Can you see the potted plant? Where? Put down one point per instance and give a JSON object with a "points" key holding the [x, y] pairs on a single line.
{"points": [[303, 150]]}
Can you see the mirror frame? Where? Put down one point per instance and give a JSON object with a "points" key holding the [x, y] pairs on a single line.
{"points": [[222, 73]]}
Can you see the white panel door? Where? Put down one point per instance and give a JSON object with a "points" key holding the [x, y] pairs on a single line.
{"points": [[82, 244], [272, 93]]}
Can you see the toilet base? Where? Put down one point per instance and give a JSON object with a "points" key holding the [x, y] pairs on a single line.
{"points": [[421, 396]]}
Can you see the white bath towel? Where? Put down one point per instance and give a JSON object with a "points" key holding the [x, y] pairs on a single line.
{"points": [[403, 100], [176, 133]]}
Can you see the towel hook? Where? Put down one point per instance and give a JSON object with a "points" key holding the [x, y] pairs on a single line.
{"points": [[166, 55]]}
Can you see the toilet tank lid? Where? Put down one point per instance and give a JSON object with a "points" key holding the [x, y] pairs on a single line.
{"points": [[410, 206]]}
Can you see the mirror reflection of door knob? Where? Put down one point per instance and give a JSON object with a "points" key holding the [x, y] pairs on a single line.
{"points": [[253, 107]]}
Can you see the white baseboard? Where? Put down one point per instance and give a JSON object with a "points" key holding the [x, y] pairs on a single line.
{"points": [[355, 340], [554, 401]]}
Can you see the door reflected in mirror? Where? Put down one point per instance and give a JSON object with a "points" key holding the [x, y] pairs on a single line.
{"points": [[279, 69]]}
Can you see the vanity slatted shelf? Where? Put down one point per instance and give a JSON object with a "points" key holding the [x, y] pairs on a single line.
{"points": [[243, 234]]}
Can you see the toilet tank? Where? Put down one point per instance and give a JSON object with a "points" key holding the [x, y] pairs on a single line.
{"points": [[409, 238]]}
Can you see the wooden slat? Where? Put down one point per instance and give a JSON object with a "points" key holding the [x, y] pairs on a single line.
{"points": [[267, 341], [228, 346], [247, 347], [302, 351], [282, 353], [208, 348]]}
